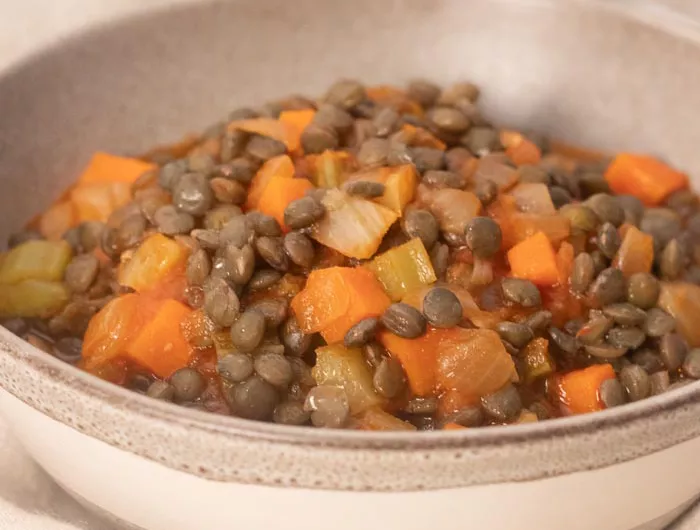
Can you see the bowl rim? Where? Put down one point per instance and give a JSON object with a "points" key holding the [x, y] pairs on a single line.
{"points": [[652, 14]]}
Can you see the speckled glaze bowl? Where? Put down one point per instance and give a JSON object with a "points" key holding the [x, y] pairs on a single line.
{"points": [[582, 71]]}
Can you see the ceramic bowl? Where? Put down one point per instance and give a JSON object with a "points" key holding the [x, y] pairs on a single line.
{"points": [[582, 71]]}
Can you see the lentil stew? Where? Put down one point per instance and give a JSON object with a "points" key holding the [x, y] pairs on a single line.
{"points": [[376, 259]]}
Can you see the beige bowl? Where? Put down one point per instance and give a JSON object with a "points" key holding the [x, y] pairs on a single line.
{"points": [[582, 71]]}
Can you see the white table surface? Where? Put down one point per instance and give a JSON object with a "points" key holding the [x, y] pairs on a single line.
{"points": [[29, 500]]}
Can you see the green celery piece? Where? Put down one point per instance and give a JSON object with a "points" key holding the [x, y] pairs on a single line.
{"points": [[32, 298], [36, 260], [337, 365], [403, 269], [536, 362]]}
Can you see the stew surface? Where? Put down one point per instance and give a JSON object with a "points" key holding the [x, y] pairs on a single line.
{"points": [[379, 258]]}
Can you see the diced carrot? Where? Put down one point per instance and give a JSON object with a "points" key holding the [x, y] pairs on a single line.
{"points": [[297, 121], [565, 262], [154, 261], [160, 345], [453, 427], [395, 98], [277, 129], [336, 298], [54, 222], [110, 330], [278, 193], [280, 166], [367, 299], [418, 357], [579, 391], [399, 182], [323, 300], [452, 401], [645, 177], [534, 260], [519, 149], [579, 154], [636, 253], [419, 137], [96, 201], [104, 167], [558, 299]]}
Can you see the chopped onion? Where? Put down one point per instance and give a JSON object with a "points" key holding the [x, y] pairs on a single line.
{"points": [[473, 362], [352, 226], [682, 301], [531, 197], [454, 209]]}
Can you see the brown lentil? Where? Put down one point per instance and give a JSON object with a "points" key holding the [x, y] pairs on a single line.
{"points": [[516, 334], [235, 367], [582, 273], [612, 393], [672, 260], [504, 405], [239, 263], [198, 267], [626, 314], [635, 381], [658, 323], [328, 405], [291, 413], [161, 390], [264, 279], [673, 350], [295, 341], [361, 333], [442, 308], [271, 249], [403, 320], [171, 222], [220, 302], [608, 240], [522, 292], [81, 272], [659, 383], [389, 379], [303, 212], [421, 224], [187, 384], [691, 364], [253, 399], [608, 288], [483, 236]]}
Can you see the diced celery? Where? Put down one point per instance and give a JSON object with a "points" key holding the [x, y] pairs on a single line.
{"points": [[536, 360], [223, 344], [36, 260], [346, 368], [379, 420], [403, 269], [32, 298], [153, 260], [526, 417]]}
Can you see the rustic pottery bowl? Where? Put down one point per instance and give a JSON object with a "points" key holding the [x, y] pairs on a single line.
{"points": [[581, 71]]}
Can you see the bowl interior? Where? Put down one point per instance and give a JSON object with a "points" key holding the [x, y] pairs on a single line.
{"points": [[558, 67]]}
